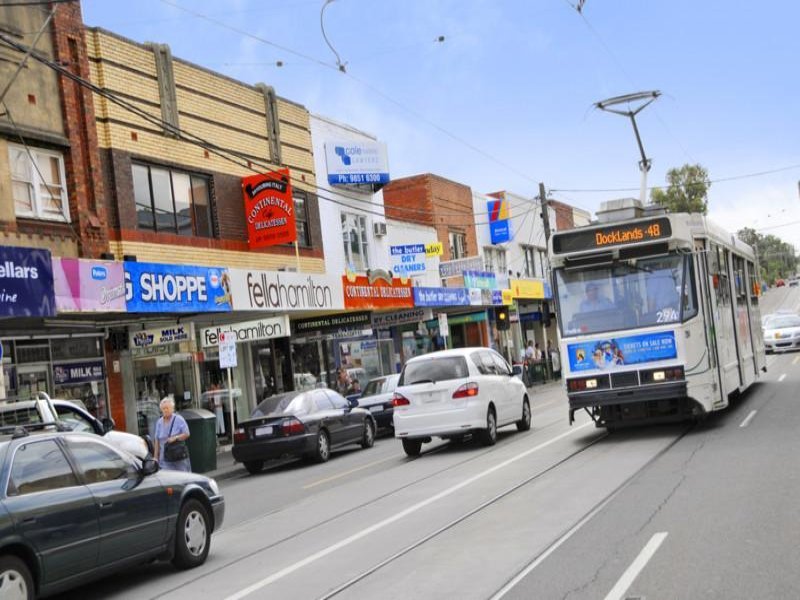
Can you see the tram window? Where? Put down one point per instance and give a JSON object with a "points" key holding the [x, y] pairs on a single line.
{"points": [[740, 282], [719, 273], [689, 291], [755, 287]]}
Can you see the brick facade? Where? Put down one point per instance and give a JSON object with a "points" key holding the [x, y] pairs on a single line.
{"points": [[564, 216], [432, 200], [82, 159]]}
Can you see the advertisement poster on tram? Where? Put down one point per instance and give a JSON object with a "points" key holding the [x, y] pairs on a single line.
{"points": [[616, 353]]}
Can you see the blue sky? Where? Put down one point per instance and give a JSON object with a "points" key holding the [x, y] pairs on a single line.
{"points": [[506, 100]]}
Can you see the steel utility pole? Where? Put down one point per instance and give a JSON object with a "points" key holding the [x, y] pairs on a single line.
{"points": [[646, 98]]}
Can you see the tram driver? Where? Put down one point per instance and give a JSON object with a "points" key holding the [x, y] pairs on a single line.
{"points": [[662, 293], [595, 300]]}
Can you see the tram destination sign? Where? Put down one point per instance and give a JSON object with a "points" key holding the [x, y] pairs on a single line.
{"points": [[612, 235]]}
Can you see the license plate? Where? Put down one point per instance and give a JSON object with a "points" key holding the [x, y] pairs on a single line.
{"points": [[262, 431], [375, 409]]}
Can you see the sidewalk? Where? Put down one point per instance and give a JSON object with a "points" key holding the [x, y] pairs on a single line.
{"points": [[228, 468]]}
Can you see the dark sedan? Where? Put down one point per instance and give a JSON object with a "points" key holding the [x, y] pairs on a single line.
{"points": [[377, 398], [306, 424], [74, 508]]}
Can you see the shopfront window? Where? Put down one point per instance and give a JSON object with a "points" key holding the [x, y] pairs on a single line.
{"points": [[159, 372]]}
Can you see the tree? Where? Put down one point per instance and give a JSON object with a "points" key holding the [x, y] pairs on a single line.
{"points": [[687, 190], [776, 258]]}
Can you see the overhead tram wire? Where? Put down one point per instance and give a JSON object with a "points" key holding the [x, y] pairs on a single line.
{"points": [[224, 153], [373, 89], [662, 187]]}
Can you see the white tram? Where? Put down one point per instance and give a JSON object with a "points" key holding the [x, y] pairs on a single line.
{"points": [[658, 315]]}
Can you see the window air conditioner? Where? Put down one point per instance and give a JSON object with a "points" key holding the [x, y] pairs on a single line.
{"points": [[379, 229]]}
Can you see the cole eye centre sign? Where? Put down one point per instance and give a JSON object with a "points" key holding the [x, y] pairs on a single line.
{"points": [[356, 163]]}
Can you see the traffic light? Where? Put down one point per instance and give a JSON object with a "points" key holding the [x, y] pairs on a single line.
{"points": [[546, 313], [501, 319]]}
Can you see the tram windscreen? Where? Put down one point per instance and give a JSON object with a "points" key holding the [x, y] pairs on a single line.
{"points": [[627, 295]]}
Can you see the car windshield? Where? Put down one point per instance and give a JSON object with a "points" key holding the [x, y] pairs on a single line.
{"points": [[626, 295], [290, 403], [780, 322], [433, 370]]}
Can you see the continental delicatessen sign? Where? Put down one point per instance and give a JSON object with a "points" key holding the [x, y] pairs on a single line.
{"points": [[269, 209]]}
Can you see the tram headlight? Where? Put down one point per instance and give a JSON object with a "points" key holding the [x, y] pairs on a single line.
{"points": [[659, 376], [591, 384]]}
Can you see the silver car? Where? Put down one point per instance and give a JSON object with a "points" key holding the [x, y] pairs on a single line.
{"points": [[782, 332]]}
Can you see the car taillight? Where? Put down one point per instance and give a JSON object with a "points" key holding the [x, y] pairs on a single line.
{"points": [[468, 390], [399, 400], [239, 435], [292, 427]]}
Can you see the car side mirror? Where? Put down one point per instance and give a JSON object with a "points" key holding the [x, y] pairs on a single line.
{"points": [[352, 402], [108, 424], [149, 466]]}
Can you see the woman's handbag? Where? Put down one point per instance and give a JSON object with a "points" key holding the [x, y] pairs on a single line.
{"points": [[175, 451]]}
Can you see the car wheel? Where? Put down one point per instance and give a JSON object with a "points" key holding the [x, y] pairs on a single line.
{"points": [[368, 441], [322, 451], [412, 447], [524, 424], [254, 466], [16, 581], [489, 435], [193, 537]]}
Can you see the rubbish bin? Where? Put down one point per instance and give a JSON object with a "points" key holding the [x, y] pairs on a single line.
{"points": [[202, 442]]}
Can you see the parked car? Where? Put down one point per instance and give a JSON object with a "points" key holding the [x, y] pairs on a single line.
{"points": [[75, 508], [780, 283], [67, 414], [306, 424], [794, 282], [377, 398], [452, 393], [782, 332]]}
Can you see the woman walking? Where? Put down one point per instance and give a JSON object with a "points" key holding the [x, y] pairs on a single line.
{"points": [[172, 429]]}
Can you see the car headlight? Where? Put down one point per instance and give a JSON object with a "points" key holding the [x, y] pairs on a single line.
{"points": [[212, 483]]}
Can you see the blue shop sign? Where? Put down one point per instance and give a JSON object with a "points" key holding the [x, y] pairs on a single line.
{"points": [[441, 296], [81, 372], [152, 287], [407, 249], [500, 232], [26, 283], [616, 353]]}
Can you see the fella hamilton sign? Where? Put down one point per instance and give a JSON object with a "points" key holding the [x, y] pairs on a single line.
{"points": [[285, 291]]}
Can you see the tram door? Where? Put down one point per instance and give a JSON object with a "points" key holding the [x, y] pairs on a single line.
{"points": [[724, 319], [708, 304]]}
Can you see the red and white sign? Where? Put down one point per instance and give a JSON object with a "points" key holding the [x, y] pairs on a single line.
{"points": [[269, 209], [379, 290]]}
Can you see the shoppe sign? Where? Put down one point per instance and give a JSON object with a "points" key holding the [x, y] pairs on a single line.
{"points": [[81, 372], [152, 287], [285, 291], [269, 209], [356, 163], [26, 283], [247, 331], [161, 336], [378, 290], [88, 285]]}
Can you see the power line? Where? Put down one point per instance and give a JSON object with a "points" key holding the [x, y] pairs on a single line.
{"points": [[690, 184], [373, 89], [35, 2], [222, 152]]}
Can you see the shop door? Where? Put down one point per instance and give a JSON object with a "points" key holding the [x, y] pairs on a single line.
{"points": [[32, 379], [458, 336], [386, 353], [473, 335]]}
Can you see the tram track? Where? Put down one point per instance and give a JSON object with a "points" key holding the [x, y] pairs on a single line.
{"points": [[333, 518]]}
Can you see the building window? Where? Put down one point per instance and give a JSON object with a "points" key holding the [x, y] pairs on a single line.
{"points": [[301, 219], [495, 260], [535, 261], [356, 244], [169, 201], [458, 245], [38, 183]]}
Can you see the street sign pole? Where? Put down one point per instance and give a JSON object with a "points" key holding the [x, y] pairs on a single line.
{"points": [[227, 360]]}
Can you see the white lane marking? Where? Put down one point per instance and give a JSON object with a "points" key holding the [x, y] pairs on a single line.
{"points": [[396, 517], [782, 377], [542, 557], [748, 418], [543, 404], [796, 358], [618, 591], [350, 472]]}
